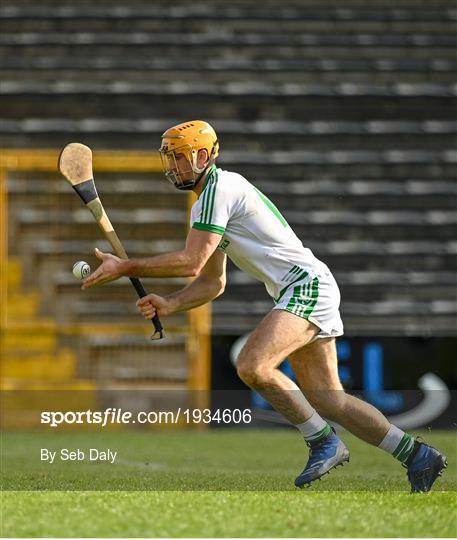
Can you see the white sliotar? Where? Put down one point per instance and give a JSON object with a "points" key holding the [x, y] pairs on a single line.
{"points": [[81, 269]]}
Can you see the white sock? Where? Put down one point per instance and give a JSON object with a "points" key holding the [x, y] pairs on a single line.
{"points": [[392, 439], [314, 428], [398, 443]]}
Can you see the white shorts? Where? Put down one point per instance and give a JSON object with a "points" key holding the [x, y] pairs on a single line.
{"points": [[317, 299]]}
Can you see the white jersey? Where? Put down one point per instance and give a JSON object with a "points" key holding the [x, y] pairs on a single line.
{"points": [[255, 236]]}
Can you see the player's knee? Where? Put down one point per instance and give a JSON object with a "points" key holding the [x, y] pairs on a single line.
{"points": [[254, 375], [246, 373]]}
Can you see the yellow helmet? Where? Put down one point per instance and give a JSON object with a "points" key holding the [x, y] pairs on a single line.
{"points": [[187, 139]]}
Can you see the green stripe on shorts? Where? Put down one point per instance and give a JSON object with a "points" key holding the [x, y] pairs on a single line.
{"points": [[314, 296], [293, 301], [303, 275], [304, 299]]}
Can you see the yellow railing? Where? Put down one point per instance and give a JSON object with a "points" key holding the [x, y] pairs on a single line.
{"points": [[45, 160], [3, 246]]}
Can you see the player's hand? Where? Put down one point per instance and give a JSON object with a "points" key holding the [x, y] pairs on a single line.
{"points": [[109, 270], [152, 303]]}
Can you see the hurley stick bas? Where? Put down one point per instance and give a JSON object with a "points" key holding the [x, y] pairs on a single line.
{"points": [[75, 164]]}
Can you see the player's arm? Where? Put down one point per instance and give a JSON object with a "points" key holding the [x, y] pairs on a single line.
{"points": [[209, 284], [189, 262]]}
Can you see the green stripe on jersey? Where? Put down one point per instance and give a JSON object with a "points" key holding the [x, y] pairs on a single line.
{"points": [[272, 207], [206, 205], [208, 227], [209, 193], [212, 171], [211, 208]]}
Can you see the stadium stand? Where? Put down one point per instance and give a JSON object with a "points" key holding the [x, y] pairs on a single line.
{"points": [[344, 116]]}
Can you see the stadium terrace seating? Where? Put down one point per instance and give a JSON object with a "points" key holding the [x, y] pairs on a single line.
{"points": [[343, 115], [49, 256], [275, 135], [105, 360], [66, 292]]}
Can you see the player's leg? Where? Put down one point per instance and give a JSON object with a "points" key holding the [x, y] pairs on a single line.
{"points": [[276, 337], [316, 369]]}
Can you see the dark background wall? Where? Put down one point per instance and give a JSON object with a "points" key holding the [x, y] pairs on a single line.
{"points": [[344, 113]]}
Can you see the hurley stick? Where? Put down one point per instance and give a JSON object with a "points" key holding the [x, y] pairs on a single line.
{"points": [[75, 163]]}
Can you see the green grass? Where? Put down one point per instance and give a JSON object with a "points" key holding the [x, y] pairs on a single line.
{"points": [[215, 484], [227, 514]]}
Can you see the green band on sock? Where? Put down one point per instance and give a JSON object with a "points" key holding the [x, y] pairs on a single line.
{"points": [[322, 434], [405, 448]]}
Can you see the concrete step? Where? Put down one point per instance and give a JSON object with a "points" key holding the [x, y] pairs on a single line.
{"points": [[24, 400], [16, 20], [63, 293], [226, 58], [112, 312], [13, 274], [441, 73], [364, 324], [385, 10], [30, 336], [396, 255], [105, 359], [265, 136], [236, 89], [58, 367], [305, 102], [22, 306]]}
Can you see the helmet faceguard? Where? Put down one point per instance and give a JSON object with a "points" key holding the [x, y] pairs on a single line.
{"points": [[185, 140]]}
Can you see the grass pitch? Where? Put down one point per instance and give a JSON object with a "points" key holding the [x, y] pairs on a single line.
{"points": [[220, 483]]}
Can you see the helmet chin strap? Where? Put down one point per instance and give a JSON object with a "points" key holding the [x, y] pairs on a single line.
{"points": [[189, 186]]}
